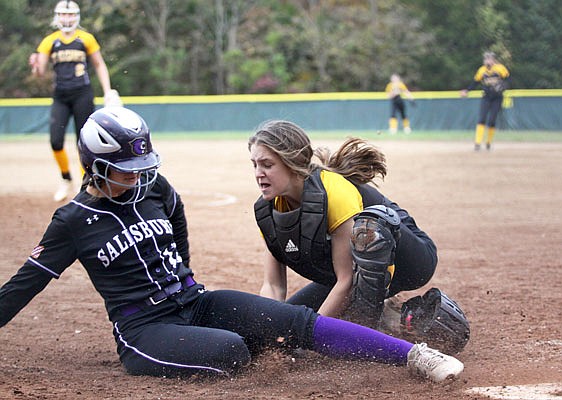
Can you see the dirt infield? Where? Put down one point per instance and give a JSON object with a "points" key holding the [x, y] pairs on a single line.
{"points": [[495, 218]]}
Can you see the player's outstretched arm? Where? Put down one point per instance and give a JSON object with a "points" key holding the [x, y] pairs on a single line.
{"points": [[19, 290], [101, 71]]}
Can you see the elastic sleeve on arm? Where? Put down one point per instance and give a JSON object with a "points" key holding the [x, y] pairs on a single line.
{"points": [[477, 78], [472, 85], [20, 289]]}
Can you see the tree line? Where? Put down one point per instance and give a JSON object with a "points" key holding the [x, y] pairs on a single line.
{"points": [[198, 47]]}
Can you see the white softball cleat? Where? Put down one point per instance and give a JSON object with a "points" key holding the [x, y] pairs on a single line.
{"points": [[432, 364], [63, 190]]}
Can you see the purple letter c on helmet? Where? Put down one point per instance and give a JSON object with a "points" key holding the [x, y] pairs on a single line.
{"points": [[138, 146]]}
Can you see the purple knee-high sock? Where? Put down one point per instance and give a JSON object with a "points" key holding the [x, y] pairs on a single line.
{"points": [[342, 339]]}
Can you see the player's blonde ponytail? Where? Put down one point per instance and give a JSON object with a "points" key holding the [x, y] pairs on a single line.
{"points": [[356, 159]]}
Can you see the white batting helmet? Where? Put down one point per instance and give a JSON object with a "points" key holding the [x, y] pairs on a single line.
{"points": [[67, 16]]}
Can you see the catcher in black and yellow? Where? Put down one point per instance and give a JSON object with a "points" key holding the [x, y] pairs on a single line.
{"points": [[70, 49], [321, 216], [494, 78]]}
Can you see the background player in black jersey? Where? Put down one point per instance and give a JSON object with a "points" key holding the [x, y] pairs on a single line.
{"points": [[70, 49], [494, 78], [128, 230]]}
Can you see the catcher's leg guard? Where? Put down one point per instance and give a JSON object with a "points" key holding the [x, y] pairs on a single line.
{"points": [[373, 244]]}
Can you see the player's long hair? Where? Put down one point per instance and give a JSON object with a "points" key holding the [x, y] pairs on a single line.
{"points": [[356, 159], [288, 141]]}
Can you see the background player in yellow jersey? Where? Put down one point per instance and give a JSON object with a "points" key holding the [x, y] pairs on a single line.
{"points": [[70, 49], [494, 78], [356, 246], [394, 90]]}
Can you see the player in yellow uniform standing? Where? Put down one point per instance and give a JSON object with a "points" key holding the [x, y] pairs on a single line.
{"points": [[394, 90], [70, 49], [494, 78]]}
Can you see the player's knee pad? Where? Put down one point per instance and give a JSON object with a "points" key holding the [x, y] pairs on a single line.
{"points": [[373, 240], [370, 288], [373, 244], [437, 320]]}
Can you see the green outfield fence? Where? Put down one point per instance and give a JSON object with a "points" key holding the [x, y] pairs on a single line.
{"points": [[537, 110]]}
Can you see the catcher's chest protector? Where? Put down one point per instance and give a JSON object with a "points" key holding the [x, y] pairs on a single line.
{"points": [[299, 238]]}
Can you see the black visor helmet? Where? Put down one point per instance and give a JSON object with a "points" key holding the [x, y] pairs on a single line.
{"points": [[116, 138]]}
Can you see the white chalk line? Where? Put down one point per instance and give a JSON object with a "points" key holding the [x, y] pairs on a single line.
{"points": [[541, 391], [221, 199]]}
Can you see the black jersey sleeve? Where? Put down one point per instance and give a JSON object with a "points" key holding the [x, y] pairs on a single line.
{"points": [[19, 291], [179, 222], [472, 85], [507, 83], [176, 215], [54, 253]]}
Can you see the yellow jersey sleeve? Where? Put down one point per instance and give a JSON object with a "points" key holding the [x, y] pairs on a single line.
{"points": [[480, 73], [344, 200], [90, 42], [47, 43], [501, 70], [398, 87]]}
